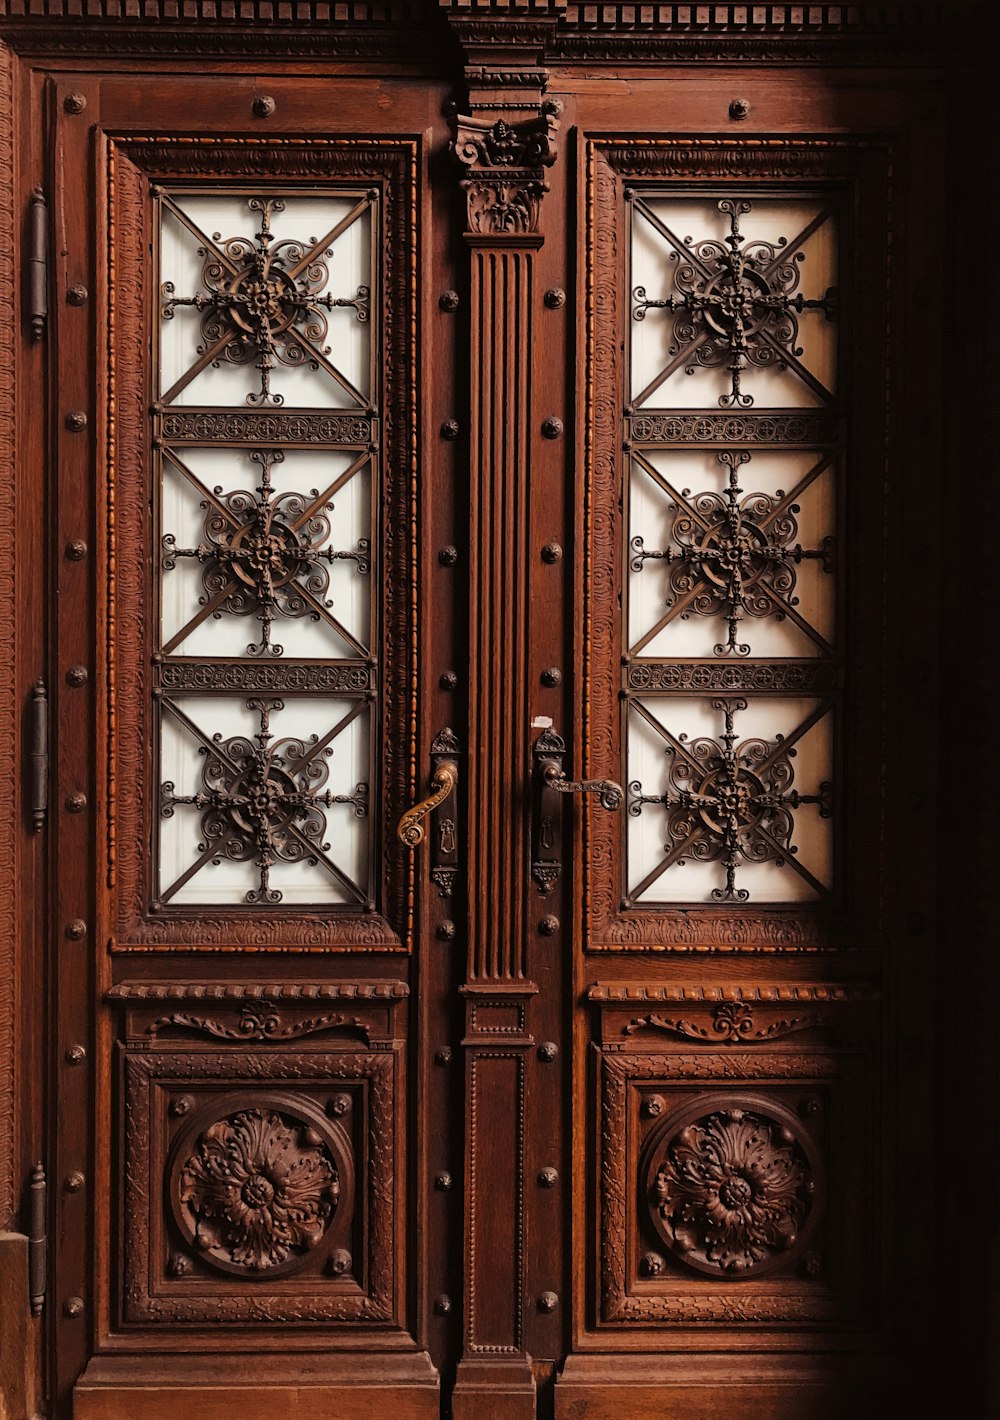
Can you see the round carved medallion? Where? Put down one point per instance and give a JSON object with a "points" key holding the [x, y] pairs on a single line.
{"points": [[731, 1190], [255, 1190]]}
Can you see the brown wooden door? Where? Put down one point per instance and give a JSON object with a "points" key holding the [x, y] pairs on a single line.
{"points": [[482, 702], [243, 999]]}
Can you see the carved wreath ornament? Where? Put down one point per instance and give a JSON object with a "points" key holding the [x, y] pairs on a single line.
{"points": [[730, 1191], [259, 1190]]}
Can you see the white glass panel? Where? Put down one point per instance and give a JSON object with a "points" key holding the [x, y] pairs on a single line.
{"points": [[260, 302], [265, 776], [783, 850], [280, 552], [750, 550], [683, 249]]}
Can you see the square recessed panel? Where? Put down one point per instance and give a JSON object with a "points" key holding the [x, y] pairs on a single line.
{"points": [[253, 1193]]}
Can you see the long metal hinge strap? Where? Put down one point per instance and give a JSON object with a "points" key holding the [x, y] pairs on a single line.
{"points": [[38, 240], [38, 1262], [39, 754]]}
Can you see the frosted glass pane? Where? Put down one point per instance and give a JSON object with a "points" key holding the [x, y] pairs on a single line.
{"points": [[751, 284], [264, 801], [264, 302], [730, 554], [729, 800], [266, 553]]}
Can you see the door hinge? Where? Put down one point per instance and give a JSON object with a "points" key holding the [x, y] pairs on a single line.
{"points": [[38, 282], [39, 754], [38, 1242]]}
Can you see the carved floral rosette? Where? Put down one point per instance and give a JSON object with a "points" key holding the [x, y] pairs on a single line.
{"points": [[504, 163], [732, 1186], [256, 1186]]}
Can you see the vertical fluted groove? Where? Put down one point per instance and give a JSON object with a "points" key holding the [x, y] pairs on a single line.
{"points": [[500, 450]]}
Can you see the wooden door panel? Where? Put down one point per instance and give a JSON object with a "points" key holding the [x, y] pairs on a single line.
{"points": [[719, 644], [244, 543], [733, 678], [257, 717]]}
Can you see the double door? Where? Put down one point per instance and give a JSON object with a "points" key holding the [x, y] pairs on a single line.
{"points": [[476, 966]]}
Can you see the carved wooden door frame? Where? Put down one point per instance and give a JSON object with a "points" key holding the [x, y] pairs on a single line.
{"points": [[515, 1058]]}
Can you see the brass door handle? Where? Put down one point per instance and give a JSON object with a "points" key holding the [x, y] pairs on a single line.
{"points": [[611, 795], [410, 829]]}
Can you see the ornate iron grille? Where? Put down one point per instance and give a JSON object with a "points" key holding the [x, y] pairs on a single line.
{"points": [[731, 579], [279, 813]]}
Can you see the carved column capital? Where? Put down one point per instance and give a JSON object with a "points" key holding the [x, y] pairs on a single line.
{"points": [[504, 162]]}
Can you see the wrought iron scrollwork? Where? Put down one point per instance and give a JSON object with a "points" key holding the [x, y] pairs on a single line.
{"points": [[266, 554], [730, 802], [735, 304], [734, 556], [262, 801], [264, 302]]}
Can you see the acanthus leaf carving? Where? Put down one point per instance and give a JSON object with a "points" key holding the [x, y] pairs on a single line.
{"points": [[505, 162], [260, 1190], [731, 1190], [261, 1020], [732, 1021]]}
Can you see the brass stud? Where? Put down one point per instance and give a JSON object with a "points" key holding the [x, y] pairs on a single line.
{"points": [[443, 1182], [551, 676], [547, 1302], [181, 1105], [450, 430], [340, 1104], [442, 1304], [76, 421], [548, 1051], [76, 929], [443, 1056], [554, 298], [448, 680], [75, 103], [73, 1182], [552, 552], [340, 1262], [548, 1178], [73, 1307], [76, 803], [77, 676], [552, 427], [178, 1265], [446, 931], [76, 550], [77, 295], [449, 300], [448, 556], [264, 106], [75, 1055], [739, 108], [549, 925], [652, 1264], [652, 1106]]}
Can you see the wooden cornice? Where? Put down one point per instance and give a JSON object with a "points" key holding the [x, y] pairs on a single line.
{"points": [[502, 40]]}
